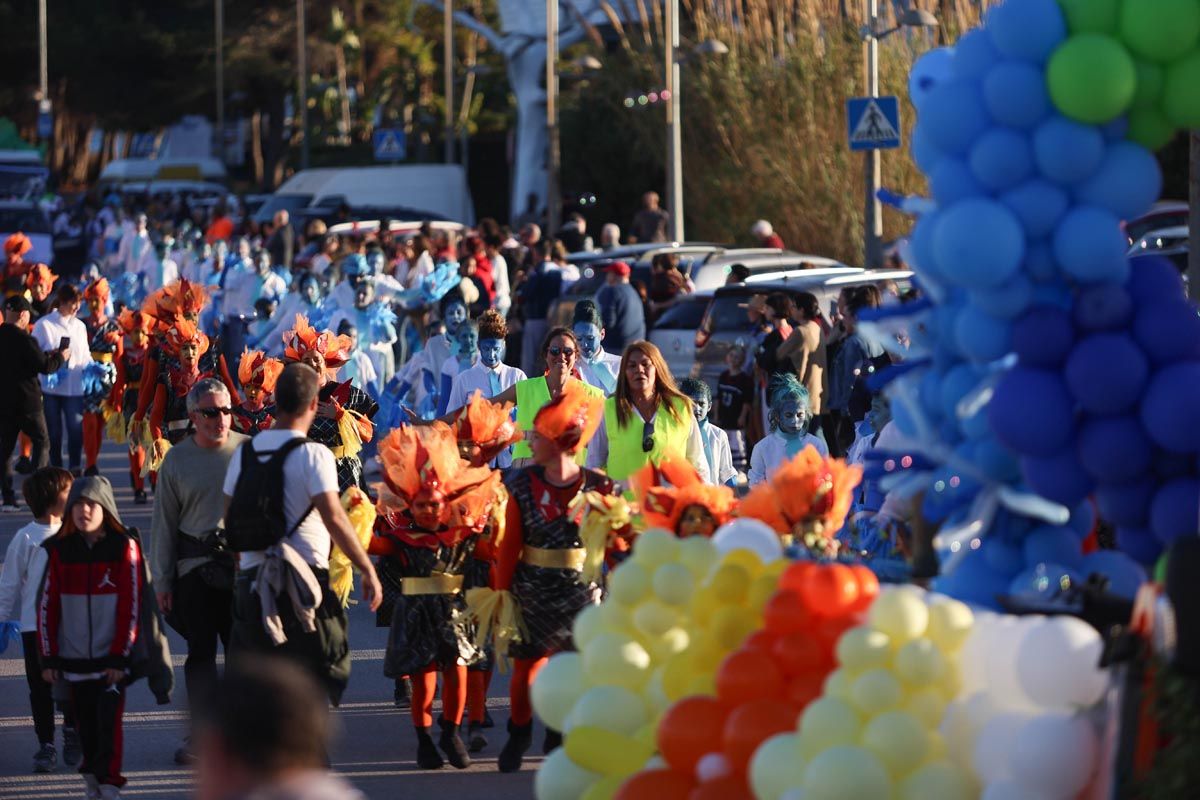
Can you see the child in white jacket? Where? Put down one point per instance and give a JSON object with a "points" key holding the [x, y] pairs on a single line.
{"points": [[45, 493]]}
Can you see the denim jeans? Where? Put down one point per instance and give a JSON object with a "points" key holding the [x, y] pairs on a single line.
{"points": [[64, 411]]}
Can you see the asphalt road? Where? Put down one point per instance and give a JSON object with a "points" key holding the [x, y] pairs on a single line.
{"points": [[374, 748]]}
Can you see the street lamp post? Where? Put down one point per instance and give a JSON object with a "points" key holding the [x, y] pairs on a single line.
{"points": [[674, 134], [302, 82], [553, 193], [448, 79]]}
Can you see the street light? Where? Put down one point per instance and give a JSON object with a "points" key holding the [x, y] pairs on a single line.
{"points": [[873, 166]]}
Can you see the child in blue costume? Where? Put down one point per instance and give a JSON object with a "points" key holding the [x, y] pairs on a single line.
{"points": [[716, 443], [788, 417], [376, 324], [466, 355]]}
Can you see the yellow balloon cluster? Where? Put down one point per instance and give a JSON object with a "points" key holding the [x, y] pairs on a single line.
{"points": [[873, 732], [672, 612]]}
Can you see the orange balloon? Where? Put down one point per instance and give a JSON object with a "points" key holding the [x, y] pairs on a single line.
{"points": [[655, 784], [750, 725], [730, 787], [805, 688], [830, 590], [792, 578], [689, 731], [830, 630], [747, 675], [868, 586], [786, 613], [759, 640], [802, 653]]}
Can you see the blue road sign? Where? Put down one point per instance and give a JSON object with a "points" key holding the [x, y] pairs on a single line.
{"points": [[389, 144], [873, 123], [45, 124]]}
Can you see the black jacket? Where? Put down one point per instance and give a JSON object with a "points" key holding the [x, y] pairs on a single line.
{"points": [[21, 361]]}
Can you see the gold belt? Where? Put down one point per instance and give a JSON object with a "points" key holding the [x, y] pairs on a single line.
{"points": [[566, 558], [437, 583], [105, 358]]}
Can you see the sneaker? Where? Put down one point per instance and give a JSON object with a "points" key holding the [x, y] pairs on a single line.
{"points": [[9, 506], [23, 466], [46, 759], [185, 756], [139, 497], [72, 749], [91, 471]]}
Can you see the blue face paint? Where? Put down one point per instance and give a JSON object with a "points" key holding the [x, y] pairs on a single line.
{"points": [[701, 405], [456, 314], [467, 341], [589, 340], [491, 352], [791, 416]]}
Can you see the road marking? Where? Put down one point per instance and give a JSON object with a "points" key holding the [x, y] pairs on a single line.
{"points": [[11, 668]]}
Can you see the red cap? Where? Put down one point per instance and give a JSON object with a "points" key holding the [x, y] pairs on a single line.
{"points": [[619, 267]]}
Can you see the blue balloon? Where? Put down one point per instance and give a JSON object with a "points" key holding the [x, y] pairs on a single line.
{"points": [[1053, 294], [1126, 505], [1168, 331], [978, 243], [974, 55], [1127, 183], [1043, 336], [924, 152], [1103, 307], [1065, 151], [1058, 477], [1168, 466], [1028, 30], [1051, 543], [1012, 417], [928, 71], [1107, 373], [1090, 246], [975, 427], [1039, 204], [1169, 408], [1014, 93], [1044, 580], [996, 461], [1001, 159], [952, 180], [1173, 510], [954, 386], [1083, 519], [1040, 264], [981, 337], [1114, 450], [1139, 544], [1125, 576], [1153, 279], [1007, 300], [953, 116], [974, 581], [1002, 556], [925, 260], [1115, 130]]}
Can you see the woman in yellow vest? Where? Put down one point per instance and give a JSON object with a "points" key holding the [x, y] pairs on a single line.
{"points": [[647, 420]]}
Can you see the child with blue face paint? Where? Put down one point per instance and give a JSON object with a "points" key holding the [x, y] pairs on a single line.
{"points": [[789, 417], [376, 324], [490, 375], [597, 367], [716, 443], [466, 355], [422, 374]]}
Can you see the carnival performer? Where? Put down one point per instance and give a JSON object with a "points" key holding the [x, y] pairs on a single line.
{"points": [[104, 338], [597, 366], [716, 444], [673, 497], [257, 373], [169, 419], [39, 282], [309, 300], [16, 247], [422, 375], [789, 417], [541, 555], [344, 413], [131, 363], [376, 324], [491, 376], [466, 356], [432, 508]]}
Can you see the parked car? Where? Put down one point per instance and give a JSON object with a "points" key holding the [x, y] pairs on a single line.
{"points": [[23, 174], [714, 271], [25, 217], [400, 228], [1164, 214], [1169, 243], [675, 332]]}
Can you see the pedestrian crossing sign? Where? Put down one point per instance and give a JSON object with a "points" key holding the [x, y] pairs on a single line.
{"points": [[873, 122], [389, 144]]}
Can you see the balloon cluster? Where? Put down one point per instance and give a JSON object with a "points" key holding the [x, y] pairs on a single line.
{"points": [[1020, 725]]}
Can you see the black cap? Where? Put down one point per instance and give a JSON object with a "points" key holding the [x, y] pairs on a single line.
{"points": [[17, 302]]}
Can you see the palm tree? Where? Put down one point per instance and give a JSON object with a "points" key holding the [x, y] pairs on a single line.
{"points": [[343, 38]]}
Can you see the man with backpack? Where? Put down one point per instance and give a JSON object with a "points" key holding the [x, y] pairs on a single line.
{"points": [[282, 516]]}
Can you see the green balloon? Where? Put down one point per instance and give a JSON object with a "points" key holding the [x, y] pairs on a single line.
{"points": [[1150, 128], [1160, 30], [1160, 569], [1181, 91], [1149, 84], [1091, 78], [1090, 16]]}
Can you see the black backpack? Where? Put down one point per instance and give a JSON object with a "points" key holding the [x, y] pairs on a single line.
{"points": [[256, 518]]}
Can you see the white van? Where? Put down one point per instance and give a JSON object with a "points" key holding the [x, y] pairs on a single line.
{"points": [[434, 191], [122, 171]]}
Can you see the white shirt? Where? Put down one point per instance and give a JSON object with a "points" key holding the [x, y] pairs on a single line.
{"points": [[466, 383], [597, 456], [133, 249], [771, 452], [591, 376], [149, 269], [720, 458], [359, 371], [423, 267], [24, 565], [308, 472], [49, 331], [245, 286], [500, 284]]}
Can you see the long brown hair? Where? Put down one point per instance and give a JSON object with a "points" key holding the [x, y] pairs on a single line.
{"points": [[110, 523], [665, 388]]}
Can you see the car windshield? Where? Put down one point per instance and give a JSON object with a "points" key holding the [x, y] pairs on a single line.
{"points": [[685, 315], [1138, 228], [726, 313], [25, 220]]}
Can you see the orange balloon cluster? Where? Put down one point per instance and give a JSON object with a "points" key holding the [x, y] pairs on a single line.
{"points": [[707, 742]]}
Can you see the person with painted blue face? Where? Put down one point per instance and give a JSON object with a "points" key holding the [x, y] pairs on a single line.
{"points": [[789, 418], [466, 356], [490, 376], [376, 324], [596, 366], [307, 299], [423, 372], [716, 443]]}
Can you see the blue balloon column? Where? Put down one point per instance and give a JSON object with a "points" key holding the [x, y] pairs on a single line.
{"points": [[1048, 370]]}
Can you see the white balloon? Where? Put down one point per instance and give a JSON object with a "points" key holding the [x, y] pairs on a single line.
{"points": [[713, 766], [1055, 753], [1011, 790], [990, 755], [973, 657], [560, 778], [1058, 664], [1001, 669], [749, 534], [558, 687]]}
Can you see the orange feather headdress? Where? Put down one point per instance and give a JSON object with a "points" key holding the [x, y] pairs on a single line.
{"points": [[131, 321], [179, 299], [183, 332], [17, 245], [485, 429], [303, 337], [663, 505], [808, 497], [40, 275], [97, 290], [256, 369], [571, 419]]}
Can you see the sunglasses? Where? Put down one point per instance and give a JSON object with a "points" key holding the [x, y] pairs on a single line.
{"points": [[213, 413], [648, 437], [565, 352]]}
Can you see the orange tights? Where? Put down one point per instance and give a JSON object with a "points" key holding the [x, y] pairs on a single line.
{"points": [[137, 460], [525, 672], [454, 695], [93, 432], [477, 689]]}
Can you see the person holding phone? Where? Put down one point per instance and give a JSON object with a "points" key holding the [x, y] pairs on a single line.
{"points": [[62, 330]]}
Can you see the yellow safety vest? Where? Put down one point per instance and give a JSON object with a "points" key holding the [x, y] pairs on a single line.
{"points": [[532, 395], [625, 454]]}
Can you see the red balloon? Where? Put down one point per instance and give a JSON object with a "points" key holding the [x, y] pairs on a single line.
{"points": [[656, 784], [806, 688], [868, 586], [831, 590], [689, 730], [730, 787], [802, 653], [786, 613], [748, 675], [792, 578], [830, 630], [750, 725], [759, 640]]}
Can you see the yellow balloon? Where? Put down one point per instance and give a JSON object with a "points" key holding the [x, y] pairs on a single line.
{"points": [[937, 747], [605, 789], [588, 623], [703, 684], [898, 739], [950, 623], [655, 694], [613, 708], [838, 684], [616, 618], [706, 652], [940, 779], [704, 605], [675, 640], [698, 555], [648, 735], [827, 722], [655, 547], [730, 584], [777, 567], [776, 767], [875, 691], [603, 751], [901, 613], [654, 618], [863, 648], [761, 590], [677, 675], [920, 663], [950, 684], [747, 559], [629, 583], [732, 625], [927, 705], [560, 778], [845, 772], [673, 584], [613, 659]]}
